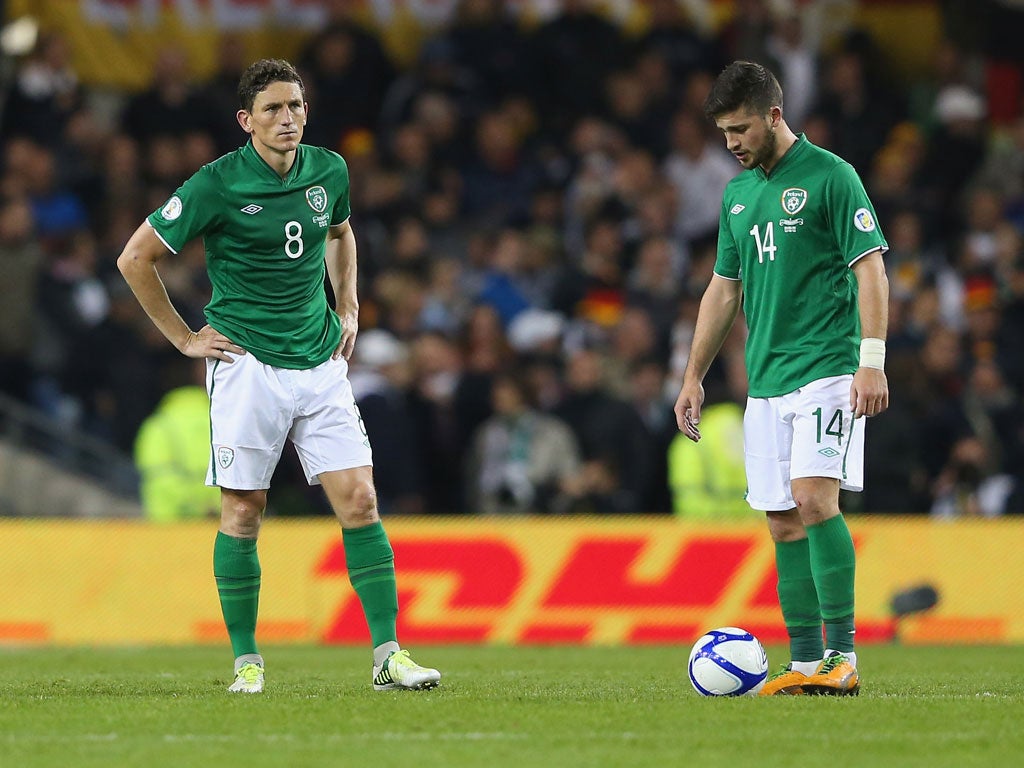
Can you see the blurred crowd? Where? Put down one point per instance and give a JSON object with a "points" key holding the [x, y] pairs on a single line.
{"points": [[536, 207]]}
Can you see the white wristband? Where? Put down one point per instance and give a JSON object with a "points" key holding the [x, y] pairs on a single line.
{"points": [[872, 353]]}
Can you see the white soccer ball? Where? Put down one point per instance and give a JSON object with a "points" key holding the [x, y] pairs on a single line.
{"points": [[728, 661]]}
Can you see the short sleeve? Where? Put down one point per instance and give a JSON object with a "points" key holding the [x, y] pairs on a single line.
{"points": [[342, 208], [854, 223], [727, 264], [188, 213]]}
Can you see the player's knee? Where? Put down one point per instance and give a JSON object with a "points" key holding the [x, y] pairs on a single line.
{"points": [[786, 526], [241, 513], [360, 504]]}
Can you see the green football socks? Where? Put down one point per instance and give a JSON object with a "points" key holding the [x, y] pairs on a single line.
{"points": [[799, 600], [236, 567], [371, 570], [833, 563]]}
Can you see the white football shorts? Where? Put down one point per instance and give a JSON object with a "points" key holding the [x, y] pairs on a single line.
{"points": [[255, 407], [810, 432]]}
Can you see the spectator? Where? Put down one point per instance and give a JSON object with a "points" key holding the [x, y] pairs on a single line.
{"points": [[614, 442], [380, 374], [709, 482], [520, 460], [45, 94], [21, 259], [173, 105], [572, 55], [172, 453], [699, 171]]}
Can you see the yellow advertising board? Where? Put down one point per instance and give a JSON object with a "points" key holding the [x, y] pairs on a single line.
{"points": [[604, 581]]}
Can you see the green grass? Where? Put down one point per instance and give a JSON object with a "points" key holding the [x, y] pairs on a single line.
{"points": [[498, 707]]}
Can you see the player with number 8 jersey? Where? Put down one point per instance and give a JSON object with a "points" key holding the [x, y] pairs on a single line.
{"points": [[791, 236], [265, 238], [274, 218]]}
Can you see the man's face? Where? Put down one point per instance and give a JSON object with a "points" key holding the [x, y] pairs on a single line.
{"points": [[278, 117], [750, 136]]}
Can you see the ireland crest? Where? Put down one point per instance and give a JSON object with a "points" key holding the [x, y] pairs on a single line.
{"points": [[793, 200], [317, 198], [225, 456]]}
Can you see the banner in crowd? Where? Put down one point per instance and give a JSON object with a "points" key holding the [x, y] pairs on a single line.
{"points": [[594, 581], [115, 42]]}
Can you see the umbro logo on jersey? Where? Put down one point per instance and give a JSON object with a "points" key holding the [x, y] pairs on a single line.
{"points": [[251, 208], [737, 208]]}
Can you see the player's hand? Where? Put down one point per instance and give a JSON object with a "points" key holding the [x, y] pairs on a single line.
{"points": [[869, 394], [687, 410], [207, 342], [349, 329]]}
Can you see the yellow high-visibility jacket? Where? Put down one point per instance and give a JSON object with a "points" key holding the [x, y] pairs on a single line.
{"points": [[172, 454], [707, 479]]}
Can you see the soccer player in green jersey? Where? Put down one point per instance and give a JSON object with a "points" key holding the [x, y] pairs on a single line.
{"points": [[274, 215], [798, 244]]}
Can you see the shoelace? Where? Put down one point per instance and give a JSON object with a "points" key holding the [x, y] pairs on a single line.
{"points": [[401, 658], [784, 669], [250, 672], [832, 662]]}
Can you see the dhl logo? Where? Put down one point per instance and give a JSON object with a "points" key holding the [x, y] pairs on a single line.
{"points": [[627, 589], [597, 581]]}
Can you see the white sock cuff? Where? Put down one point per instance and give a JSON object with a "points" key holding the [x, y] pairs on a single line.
{"points": [[384, 650], [248, 658]]}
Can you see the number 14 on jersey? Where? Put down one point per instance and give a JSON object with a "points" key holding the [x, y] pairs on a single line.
{"points": [[765, 247]]}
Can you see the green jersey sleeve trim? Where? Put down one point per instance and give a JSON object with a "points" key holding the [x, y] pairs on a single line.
{"points": [[156, 231], [882, 248]]}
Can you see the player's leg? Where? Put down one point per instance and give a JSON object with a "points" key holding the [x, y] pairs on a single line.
{"points": [[767, 445], [250, 414], [334, 450], [826, 447], [371, 570], [236, 568]]}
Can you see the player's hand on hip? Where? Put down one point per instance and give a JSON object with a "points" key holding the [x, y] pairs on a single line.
{"points": [[869, 394], [349, 329], [687, 409], [207, 342]]}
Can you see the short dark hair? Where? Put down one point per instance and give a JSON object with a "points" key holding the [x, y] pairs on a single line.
{"points": [[261, 74], [743, 84]]}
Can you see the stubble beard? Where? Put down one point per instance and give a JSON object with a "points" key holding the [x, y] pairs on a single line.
{"points": [[766, 154]]}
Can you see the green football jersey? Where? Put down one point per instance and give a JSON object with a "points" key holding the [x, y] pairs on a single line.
{"points": [[791, 237], [265, 240]]}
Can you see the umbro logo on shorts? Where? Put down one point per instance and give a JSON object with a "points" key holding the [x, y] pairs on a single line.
{"points": [[251, 208]]}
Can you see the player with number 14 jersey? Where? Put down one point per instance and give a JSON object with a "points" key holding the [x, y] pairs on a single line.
{"points": [[792, 236]]}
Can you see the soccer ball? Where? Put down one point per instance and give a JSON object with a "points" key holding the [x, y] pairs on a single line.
{"points": [[728, 661]]}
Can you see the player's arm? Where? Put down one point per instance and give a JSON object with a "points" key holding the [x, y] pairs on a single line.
{"points": [[342, 269], [718, 309], [137, 263], [869, 395]]}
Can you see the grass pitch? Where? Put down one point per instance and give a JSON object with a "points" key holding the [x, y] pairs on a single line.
{"points": [[498, 707]]}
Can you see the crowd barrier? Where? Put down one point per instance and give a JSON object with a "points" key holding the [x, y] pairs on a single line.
{"points": [[601, 581]]}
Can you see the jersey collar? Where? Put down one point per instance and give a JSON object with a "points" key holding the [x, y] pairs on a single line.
{"points": [[250, 153], [794, 151]]}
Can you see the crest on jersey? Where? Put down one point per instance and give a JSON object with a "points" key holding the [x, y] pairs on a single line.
{"points": [[793, 200], [317, 198], [172, 209], [225, 456], [863, 220]]}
